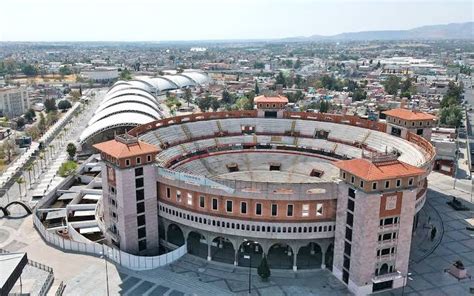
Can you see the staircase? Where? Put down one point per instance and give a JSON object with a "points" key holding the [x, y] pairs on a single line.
{"points": [[219, 126], [295, 141], [333, 151], [186, 131], [365, 138], [293, 126]]}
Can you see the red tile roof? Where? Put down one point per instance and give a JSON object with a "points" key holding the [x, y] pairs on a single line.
{"points": [[119, 150], [272, 99], [369, 171], [406, 114]]}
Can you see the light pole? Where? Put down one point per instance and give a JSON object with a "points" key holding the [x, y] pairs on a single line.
{"points": [[249, 244]]}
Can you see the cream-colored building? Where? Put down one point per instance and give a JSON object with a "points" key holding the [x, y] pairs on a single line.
{"points": [[14, 101]]}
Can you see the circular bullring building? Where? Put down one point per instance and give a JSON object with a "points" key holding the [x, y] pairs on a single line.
{"points": [[306, 190]]}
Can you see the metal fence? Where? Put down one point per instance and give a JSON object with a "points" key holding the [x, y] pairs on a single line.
{"points": [[120, 257]]}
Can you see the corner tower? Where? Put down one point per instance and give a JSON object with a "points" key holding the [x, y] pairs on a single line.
{"points": [[401, 121], [374, 221], [129, 194], [271, 106]]}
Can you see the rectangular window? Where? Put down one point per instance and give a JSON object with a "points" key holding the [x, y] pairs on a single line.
{"points": [[228, 206], [139, 182], [243, 207], [352, 179], [362, 184], [138, 172], [399, 183], [178, 196], [127, 162], [410, 181], [140, 207], [350, 205], [319, 209], [385, 251], [214, 204], [141, 220], [346, 263], [305, 210], [148, 158], [142, 245], [289, 211], [141, 232], [139, 160], [347, 248], [274, 209], [168, 192], [387, 184], [202, 201], [344, 175], [140, 194], [190, 199], [350, 219], [374, 186], [348, 234], [258, 209], [351, 193]]}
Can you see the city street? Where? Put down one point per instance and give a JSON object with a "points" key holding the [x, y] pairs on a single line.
{"points": [[56, 150]]}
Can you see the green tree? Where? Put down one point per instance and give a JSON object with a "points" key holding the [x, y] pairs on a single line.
{"points": [[42, 123], [188, 96], [204, 103], [244, 103], [67, 169], [263, 269], [20, 122], [392, 84], [65, 70], [50, 105], [125, 74], [451, 116], [30, 114], [257, 89], [64, 105], [359, 95], [215, 104], [297, 64], [227, 98], [323, 106], [29, 70], [20, 181], [280, 79], [71, 150]]}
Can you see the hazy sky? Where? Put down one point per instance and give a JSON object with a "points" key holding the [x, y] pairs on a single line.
{"points": [[158, 20]]}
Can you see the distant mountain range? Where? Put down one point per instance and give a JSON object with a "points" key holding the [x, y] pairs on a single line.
{"points": [[448, 31]]}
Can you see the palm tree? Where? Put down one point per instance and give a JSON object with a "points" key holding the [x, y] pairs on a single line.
{"points": [[30, 168], [41, 157], [20, 181], [51, 148]]}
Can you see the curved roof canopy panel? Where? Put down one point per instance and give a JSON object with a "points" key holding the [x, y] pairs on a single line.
{"points": [[116, 120], [128, 99], [198, 77], [125, 107], [180, 80]]}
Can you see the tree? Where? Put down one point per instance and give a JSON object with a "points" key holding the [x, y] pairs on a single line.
{"points": [[76, 95], [263, 269], [30, 114], [406, 85], [71, 150], [67, 169], [244, 103], [29, 70], [204, 103], [297, 64], [64, 105], [29, 168], [392, 84], [42, 123], [188, 96], [215, 104], [65, 70], [20, 122], [451, 116], [280, 79], [323, 106], [52, 117], [50, 105], [125, 74], [227, 98], [257, 89], [359, 95], [20, 181]]}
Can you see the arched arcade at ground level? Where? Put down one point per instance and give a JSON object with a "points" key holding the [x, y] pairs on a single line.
{"points": [[293, 254]]}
